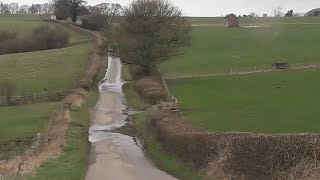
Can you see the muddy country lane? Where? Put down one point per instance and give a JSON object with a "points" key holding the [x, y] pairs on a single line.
{"points": [[115, 156]]}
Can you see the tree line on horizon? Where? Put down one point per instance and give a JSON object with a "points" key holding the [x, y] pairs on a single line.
{"points": [[63, 8]]}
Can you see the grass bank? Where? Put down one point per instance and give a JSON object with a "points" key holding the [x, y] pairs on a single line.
{"points": [[19, 125], [157, 153], [72, 164]]}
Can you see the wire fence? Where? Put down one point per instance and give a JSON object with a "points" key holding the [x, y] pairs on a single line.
{"points": [[33, 98], [235, 70]]}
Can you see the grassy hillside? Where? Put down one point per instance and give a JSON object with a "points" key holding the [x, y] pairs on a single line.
{"points": [[43, 71], [280, 102], [220, 49], [36, 72]]}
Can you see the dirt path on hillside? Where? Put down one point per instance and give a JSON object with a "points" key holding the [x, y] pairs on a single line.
{"points": [[113, 155], [239, 73]]}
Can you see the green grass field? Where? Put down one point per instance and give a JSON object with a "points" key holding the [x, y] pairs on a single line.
{"points": [[279, 102], [269, 20], [19, 125], [216, 50], [72, 164], [36, 72], [43, 71]]}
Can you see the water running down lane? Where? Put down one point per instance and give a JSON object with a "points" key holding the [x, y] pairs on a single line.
{"points": [[115, 156]]}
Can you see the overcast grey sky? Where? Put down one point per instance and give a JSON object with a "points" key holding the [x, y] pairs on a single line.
{"points": [[219, 7]]}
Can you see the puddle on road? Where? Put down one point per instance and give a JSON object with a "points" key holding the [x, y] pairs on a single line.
{"points": [[115, 155]]}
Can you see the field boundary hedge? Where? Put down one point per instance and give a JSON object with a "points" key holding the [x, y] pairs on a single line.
{"points": [[237, 155]]}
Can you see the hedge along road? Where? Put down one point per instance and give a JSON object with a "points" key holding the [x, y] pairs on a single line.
{"points": [[114, 155]]}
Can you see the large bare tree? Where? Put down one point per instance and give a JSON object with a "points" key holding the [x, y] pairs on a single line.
{"points": [[75, 7], [152, 32], [278, 12]]}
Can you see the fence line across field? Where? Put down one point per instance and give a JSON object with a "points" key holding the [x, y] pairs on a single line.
{"points": [[236, 70], [34, 98]]}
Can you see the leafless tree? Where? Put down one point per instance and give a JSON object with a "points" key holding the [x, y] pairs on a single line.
{"points": [[74, 8], [278, 12], [152, 32], [24, 9], [47, 8], [111, 10], [253, 14], [13, 8], [35, 9], [4, 8]]}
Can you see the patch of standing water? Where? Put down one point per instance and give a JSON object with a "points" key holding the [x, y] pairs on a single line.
{"points": [[115, 155]]}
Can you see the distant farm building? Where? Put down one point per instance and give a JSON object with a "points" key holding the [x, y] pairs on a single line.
{"points": [[281, 66], [53, 17], [231, 21], [314, 12]]}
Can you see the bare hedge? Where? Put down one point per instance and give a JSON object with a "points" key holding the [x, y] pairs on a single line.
{"points": [[41, 38], [94, 22], [238, 155]]}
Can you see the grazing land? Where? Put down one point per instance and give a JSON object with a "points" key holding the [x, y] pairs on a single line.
{"points": [[279, 102], [36, 72], [248, 20], [43, 71], [216, 50], [274, 102], [19, 125]]}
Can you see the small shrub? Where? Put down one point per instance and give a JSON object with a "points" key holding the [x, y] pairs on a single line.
{"points": [[94, 22], [50, 38], [42, 38]]}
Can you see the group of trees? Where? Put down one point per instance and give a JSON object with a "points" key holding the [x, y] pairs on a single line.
{"points": [[64, 9], [15, 8], [277, 12]]}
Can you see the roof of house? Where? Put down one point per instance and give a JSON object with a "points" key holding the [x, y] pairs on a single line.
{"points": [[230, 16]]}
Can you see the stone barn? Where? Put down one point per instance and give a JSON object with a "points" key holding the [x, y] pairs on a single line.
{"points": [[231, 21]]}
